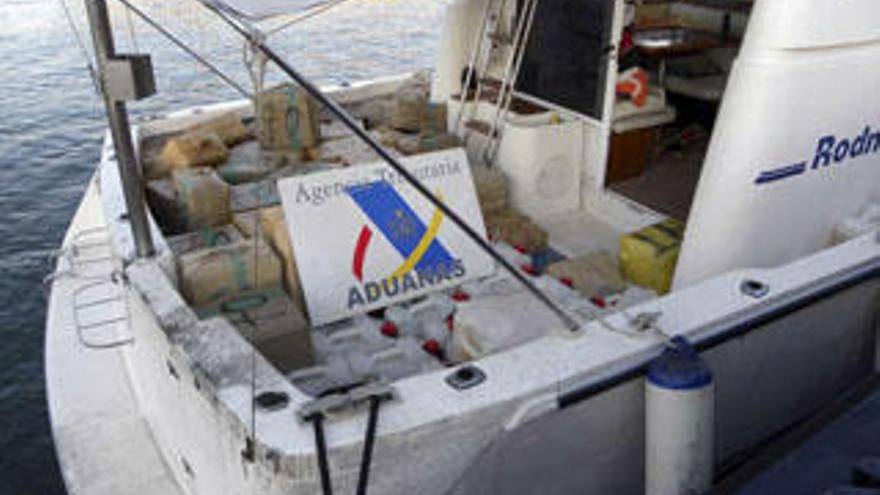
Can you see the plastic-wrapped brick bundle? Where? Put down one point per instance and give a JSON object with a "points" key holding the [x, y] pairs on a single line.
{"points": [[227, 126], [193, 149], [204, 238], [253, 195], [492, 324], [212, 275], [274, 228], [594, 274], [248, 163], [516, 229], [408, 102], [491, 186], [287, 119], [204, 196]]}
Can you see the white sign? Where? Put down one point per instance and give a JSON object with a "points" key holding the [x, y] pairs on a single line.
{"points": [[363, 238]]}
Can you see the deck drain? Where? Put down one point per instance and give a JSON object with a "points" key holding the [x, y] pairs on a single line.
{"points": [[272, 401], [754, 288], [466, 377]]}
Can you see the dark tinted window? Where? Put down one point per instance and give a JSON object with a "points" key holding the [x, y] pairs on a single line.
{"points": [[566, 58]]}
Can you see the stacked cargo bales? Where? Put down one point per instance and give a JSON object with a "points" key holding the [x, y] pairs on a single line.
{"points": [[216, 184]]}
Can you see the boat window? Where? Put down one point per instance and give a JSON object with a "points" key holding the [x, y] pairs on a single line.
{"points": [[567, 56]]}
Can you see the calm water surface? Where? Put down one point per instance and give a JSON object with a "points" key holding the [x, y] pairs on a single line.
{"points": [[51, 123]]}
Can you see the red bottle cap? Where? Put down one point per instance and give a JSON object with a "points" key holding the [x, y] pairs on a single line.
{"points": [[529, 268], [389, 329], [598, 302], [432, 347], [522, 249], [460, 296], [567, 281]]}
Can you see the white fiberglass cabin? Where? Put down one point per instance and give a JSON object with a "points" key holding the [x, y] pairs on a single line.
{"points": [[755, 124]]}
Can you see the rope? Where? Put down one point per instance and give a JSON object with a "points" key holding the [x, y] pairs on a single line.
{"points": [[93, 74], [256, 63]]}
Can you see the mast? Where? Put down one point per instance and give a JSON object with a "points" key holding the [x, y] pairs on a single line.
{"points": [[123, 78]]}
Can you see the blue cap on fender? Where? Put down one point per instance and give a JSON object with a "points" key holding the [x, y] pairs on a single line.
{"points": [[680, 367]]}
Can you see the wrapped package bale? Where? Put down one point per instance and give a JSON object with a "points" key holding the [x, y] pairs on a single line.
{"points": [[228, 127], [287, 119], [204, 238], [247, 162], [491, 186], [432, 119], [275, 230], [169, 212], [204, 196], [412, 145], [516, 229], [648, 257], [262, 194], [248, 223], [214, 275], [409, 101], [594, 274], [272, 323], [373, 112], [151, 147], [189, 150]]}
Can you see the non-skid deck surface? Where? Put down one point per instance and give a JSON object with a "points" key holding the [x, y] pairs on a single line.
{"points": [[579, 232], [669, 182]]}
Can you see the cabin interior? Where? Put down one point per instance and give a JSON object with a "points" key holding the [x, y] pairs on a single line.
{"points": [[585, 172], [657, 151]]}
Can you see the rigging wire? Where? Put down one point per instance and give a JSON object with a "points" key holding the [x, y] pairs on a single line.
{"points": [[315, 11], [180, 44], [90, 66], [131, 32]]}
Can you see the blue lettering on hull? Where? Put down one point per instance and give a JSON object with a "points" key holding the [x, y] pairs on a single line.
{"points": [[829, 151]]}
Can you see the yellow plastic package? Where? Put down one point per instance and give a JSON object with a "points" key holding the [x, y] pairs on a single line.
{"points": [[648, 257]]}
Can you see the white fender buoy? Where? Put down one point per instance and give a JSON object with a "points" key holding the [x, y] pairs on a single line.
{"points": [[679, 422]]}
